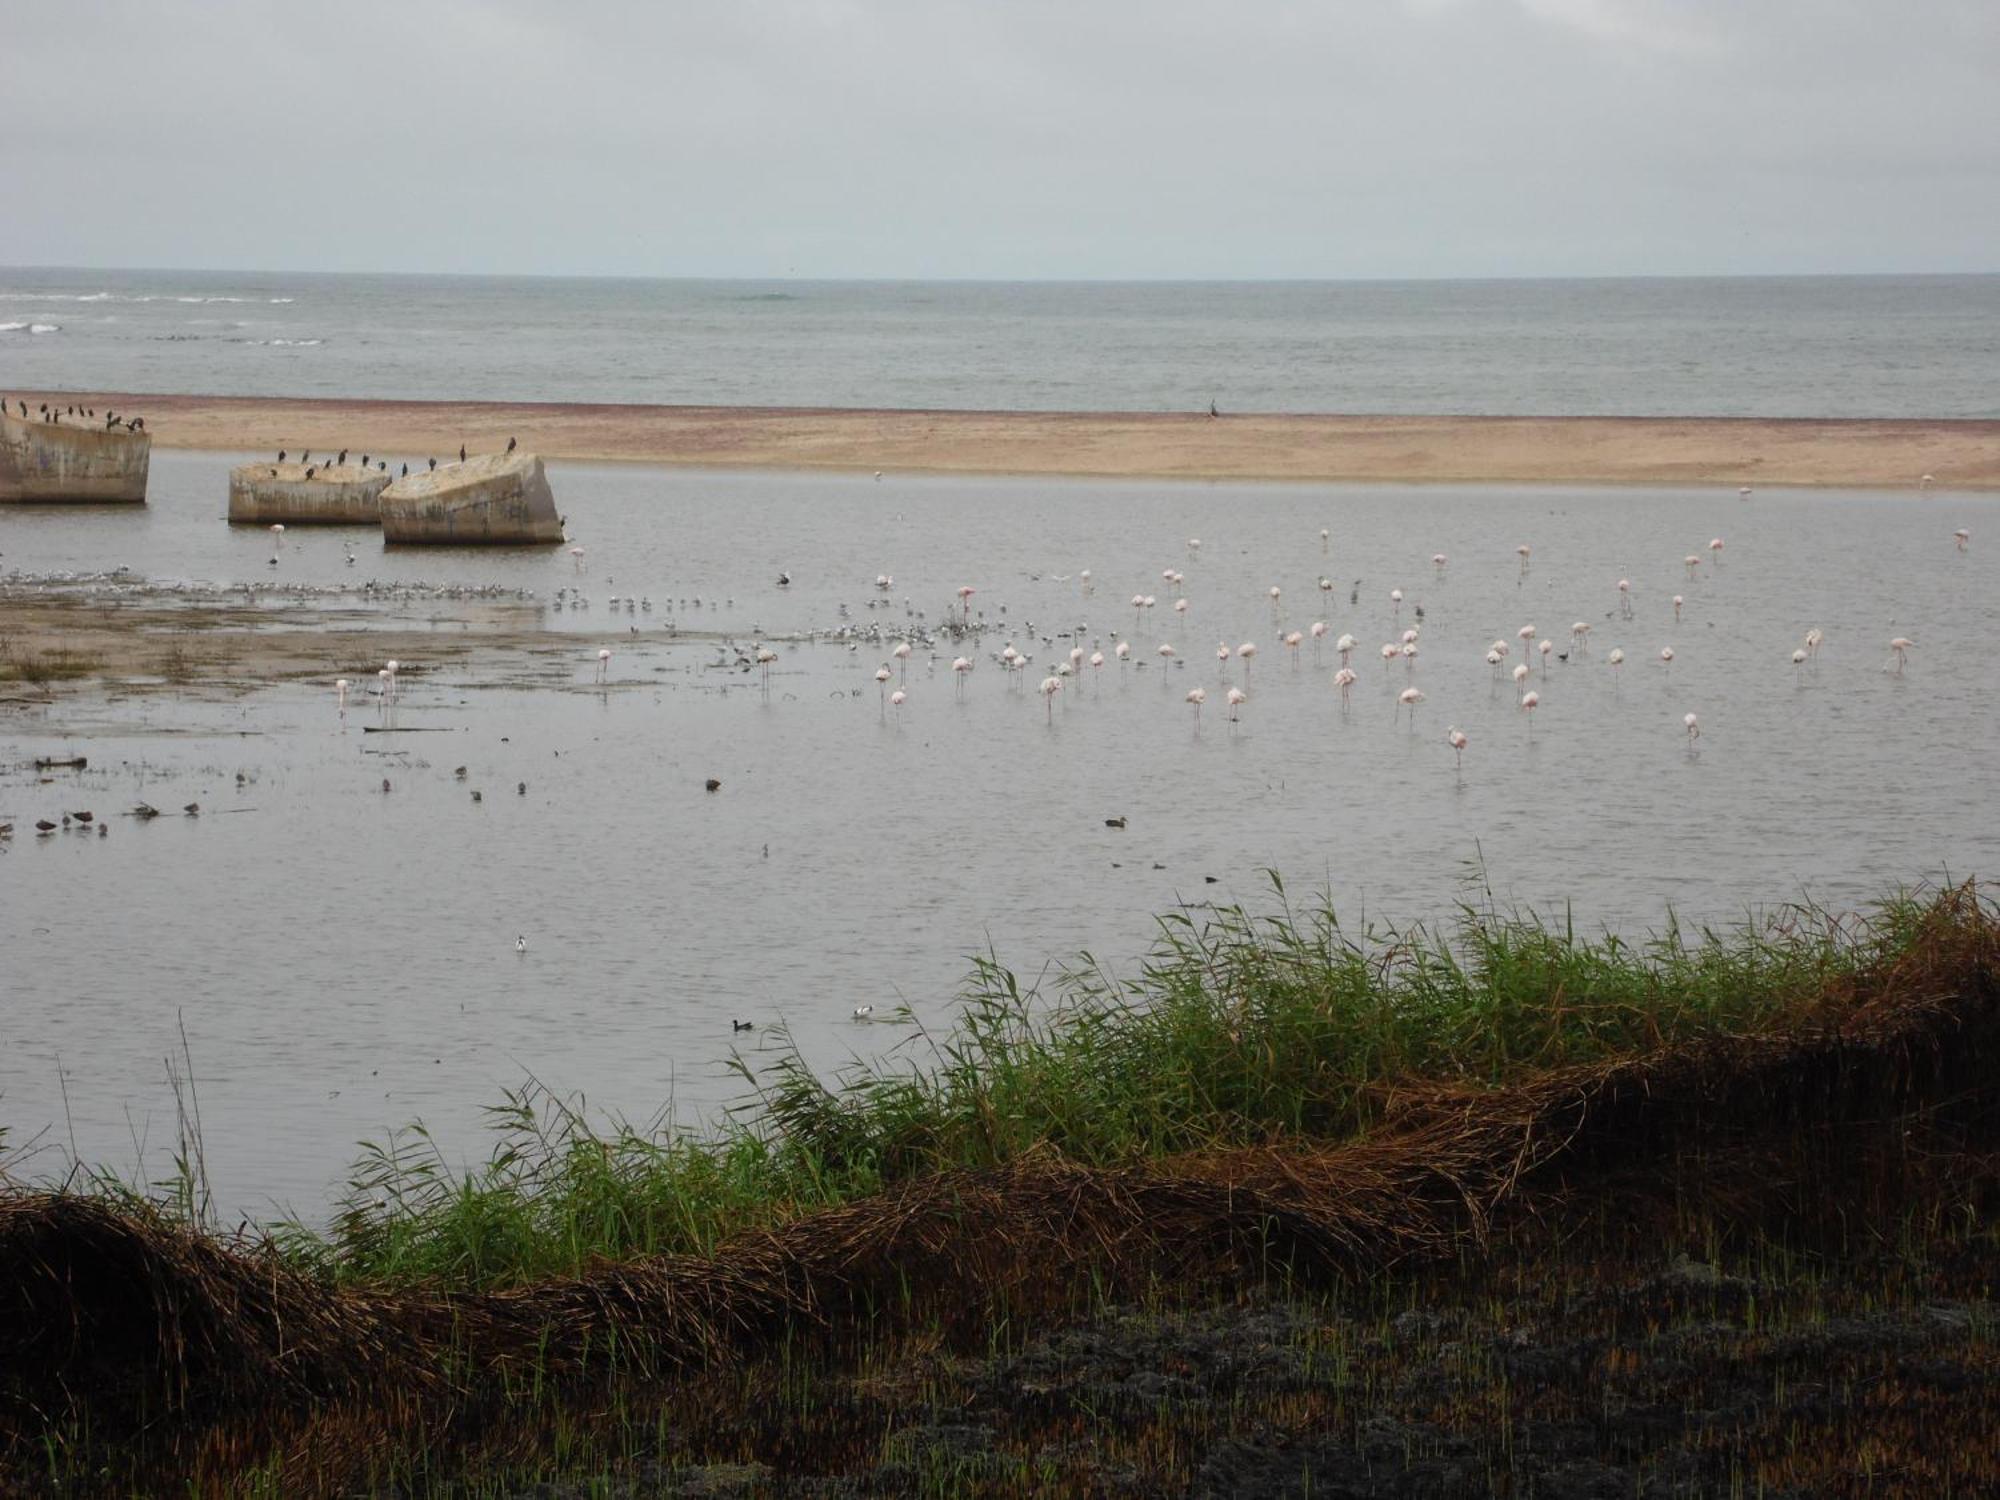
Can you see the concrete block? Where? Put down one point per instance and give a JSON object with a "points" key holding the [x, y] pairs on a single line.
{"points": [[74, 460], [264, 493], [491, 498]]}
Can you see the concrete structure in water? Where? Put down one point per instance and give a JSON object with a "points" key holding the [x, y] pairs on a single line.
{"points": [[72, 461], [489, 498], [347, 495]]}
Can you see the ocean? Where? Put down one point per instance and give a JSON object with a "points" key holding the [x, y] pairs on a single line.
{"points": [[1886, 346]]}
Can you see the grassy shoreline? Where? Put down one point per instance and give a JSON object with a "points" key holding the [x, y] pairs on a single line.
{"points": [[1272, 1108]]}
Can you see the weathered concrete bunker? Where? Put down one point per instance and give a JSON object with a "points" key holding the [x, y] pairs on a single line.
{"points": [[71, 462], [333, 495], [490, 498]]}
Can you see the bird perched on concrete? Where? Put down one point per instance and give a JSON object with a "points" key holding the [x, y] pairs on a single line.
{"points": [[434, 464], [340, 460], [461, 453], [510, 445], [281, 455], [406, 472]]}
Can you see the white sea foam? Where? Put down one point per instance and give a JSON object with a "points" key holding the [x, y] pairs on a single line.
{"points": [[12, 327], [45, 328]]}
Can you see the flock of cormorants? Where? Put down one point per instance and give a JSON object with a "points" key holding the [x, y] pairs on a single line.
{"points": [[53, 417], [340, 460]]}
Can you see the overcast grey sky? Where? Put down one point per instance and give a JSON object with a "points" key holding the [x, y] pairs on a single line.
{"points": [[1004, 138]]}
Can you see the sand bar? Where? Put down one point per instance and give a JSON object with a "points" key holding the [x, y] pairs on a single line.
{"points": [[1562, 450]]}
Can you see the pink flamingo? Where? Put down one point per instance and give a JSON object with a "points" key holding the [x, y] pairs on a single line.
{"points": [[1292, 641], [1693, 561], [1236, 698], [965, 593], [1524, 552], [1318, 635], [959, 667], [1455, 737], [1799, 666], [1247, 650], [1678, 602], [1345, 646], [1545, 648], [1197, 696], [1625, 598], [1395, 604], [1530, 701], [1437, 563], [1344, 680], [1409, 698], [1963, 537], [1715, 550], [765, 656], [1693, 726], [340, 687], [1901, 646], [1050, 687], [1814, 639], [896, 700], [603, 663], [882, 675], [1667, 657], [902, 655]]}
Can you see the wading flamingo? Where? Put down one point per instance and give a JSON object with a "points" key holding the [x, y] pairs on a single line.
{"points": [[1625, 598], [1236, 698], [1692, 724], [1197, 697], [1409, 698], [1455, 737], [1530, 701], [1799, 666], [603, 663], [1678, 602], [340, 687], [1901, 646], [1344, 680], [960, 665], [1050, 687], [1247, 650], [1963, 537]]}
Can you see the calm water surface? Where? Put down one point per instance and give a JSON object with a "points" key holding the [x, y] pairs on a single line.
{"points": [[343, 960]]}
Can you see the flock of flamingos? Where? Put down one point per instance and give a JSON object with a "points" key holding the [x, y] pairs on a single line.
{"points": [[1069, 667]]}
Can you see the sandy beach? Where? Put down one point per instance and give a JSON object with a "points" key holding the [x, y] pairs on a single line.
{"points": [[1167, 445]]}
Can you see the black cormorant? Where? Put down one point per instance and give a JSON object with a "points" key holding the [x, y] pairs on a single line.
{"points": [[510, 445], [434, 463], [461, 453]]}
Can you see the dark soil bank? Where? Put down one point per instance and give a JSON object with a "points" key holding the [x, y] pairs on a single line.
{"points": [[1778, 1379]]}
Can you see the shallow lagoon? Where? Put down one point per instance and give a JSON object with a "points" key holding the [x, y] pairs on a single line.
{"points": [[343, 960]]}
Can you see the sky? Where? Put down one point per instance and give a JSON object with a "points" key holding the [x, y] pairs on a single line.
{"points": [[1004, 139]]}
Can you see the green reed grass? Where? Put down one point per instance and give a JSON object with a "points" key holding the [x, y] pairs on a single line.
{"points": [[1239, 1027]]}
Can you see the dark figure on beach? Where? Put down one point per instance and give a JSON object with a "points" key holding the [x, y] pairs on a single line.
{"points": [[384, 466], [137, 424], [281, 455], [1212, 411], [111, 421], [340, 460], [24, 408], [461, 453], [406, 472], [510, 445], [434, 463], [311, 472], [364, 460]]}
